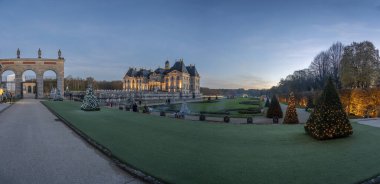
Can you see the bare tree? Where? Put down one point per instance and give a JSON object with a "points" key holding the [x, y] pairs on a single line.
{"points": [[321, 68], [335, 55]]}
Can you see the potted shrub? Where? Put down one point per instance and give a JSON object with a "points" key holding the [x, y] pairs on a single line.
{"points": [[226, 119], [249, 120]]}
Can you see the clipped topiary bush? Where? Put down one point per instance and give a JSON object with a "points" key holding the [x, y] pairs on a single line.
{"points": [[328, 120], [291, 112], [226, 119], [202, 117], [310, 103], [249, 120], [162, 113], [274, 109], [267, 103]]}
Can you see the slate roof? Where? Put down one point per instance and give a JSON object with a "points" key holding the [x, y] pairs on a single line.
{"points": [[131, 72], [159, 71], [192, 70], [179, 66], [143, 73]]}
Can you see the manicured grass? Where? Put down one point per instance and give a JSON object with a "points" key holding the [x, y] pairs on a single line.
{"points": [[180, 151], [217, 106]]}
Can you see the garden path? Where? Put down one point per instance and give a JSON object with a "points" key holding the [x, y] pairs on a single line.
{"points": [[375, 122], [36, 148]]}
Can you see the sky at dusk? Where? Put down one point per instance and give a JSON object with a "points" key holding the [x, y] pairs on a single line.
{"points": [[234, 44]]}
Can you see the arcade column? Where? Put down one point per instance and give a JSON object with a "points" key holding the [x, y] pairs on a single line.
{"points": [[40, 85], [18, 87], [60, 86]]}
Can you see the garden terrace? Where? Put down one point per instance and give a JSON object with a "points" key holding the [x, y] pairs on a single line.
{"points": [[238, 107], [181, 151]]}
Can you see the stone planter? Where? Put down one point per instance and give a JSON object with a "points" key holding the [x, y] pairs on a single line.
{"points": [[162, 113], [202, 117], [226, 119], [249, 120]]}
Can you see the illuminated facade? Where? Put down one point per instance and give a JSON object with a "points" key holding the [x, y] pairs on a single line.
{"points": [[178, 78]]}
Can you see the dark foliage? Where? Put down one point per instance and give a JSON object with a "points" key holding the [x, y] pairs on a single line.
{"points": [[274, 109]]}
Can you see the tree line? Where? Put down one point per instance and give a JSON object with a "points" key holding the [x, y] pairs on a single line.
{"points": [[352, 66], [80, 84], [233, 92]]}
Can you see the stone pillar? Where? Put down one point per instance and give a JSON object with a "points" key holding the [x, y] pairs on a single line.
{"points": [[60, 86], [18, 87], [40, 84]]}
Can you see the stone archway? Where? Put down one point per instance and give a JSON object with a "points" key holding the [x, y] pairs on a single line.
{"points": [[49, 82], [29, 84], [39, 66]]}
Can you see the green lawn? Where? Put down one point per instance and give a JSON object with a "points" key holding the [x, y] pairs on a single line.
{"points": [[217, 107], [180, 151]]}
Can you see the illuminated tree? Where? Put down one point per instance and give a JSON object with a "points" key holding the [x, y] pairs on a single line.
{"points": [[328, 120], [274, 109], [90, 102], [291, 113]]}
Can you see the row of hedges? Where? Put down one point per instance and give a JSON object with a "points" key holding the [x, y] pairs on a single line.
{"points": [[251, 110], [356, 102], [250, 102], [218, 113], [248, 111]]}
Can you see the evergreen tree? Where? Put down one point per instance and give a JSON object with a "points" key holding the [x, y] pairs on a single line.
{"points": [[267, 103], [310, 103], [328, 120], [291, 113], [274, 108], [90, 102]]}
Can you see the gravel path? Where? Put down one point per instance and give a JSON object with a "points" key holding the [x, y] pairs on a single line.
{"points": [[375, 122], [4, 106], [35, 148]]}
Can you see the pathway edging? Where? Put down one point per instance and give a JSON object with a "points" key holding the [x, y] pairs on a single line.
{"points": [[124, 166], [2, 110]]}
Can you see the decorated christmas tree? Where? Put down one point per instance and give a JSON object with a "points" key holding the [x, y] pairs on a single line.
{"points": [[274, 109], [90, 102], [291, 113], [328, 120]]}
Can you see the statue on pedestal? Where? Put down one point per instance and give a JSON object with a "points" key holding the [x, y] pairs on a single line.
{"points": [[39, 53], [59, 54], [18, 53]]}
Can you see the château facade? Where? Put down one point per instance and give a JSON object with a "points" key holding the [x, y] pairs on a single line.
{"points": [[178, 78]]}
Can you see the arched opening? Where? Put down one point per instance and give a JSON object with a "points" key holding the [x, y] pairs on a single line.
{"points": [[8, 82], [29, 84], [50, 82]]}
